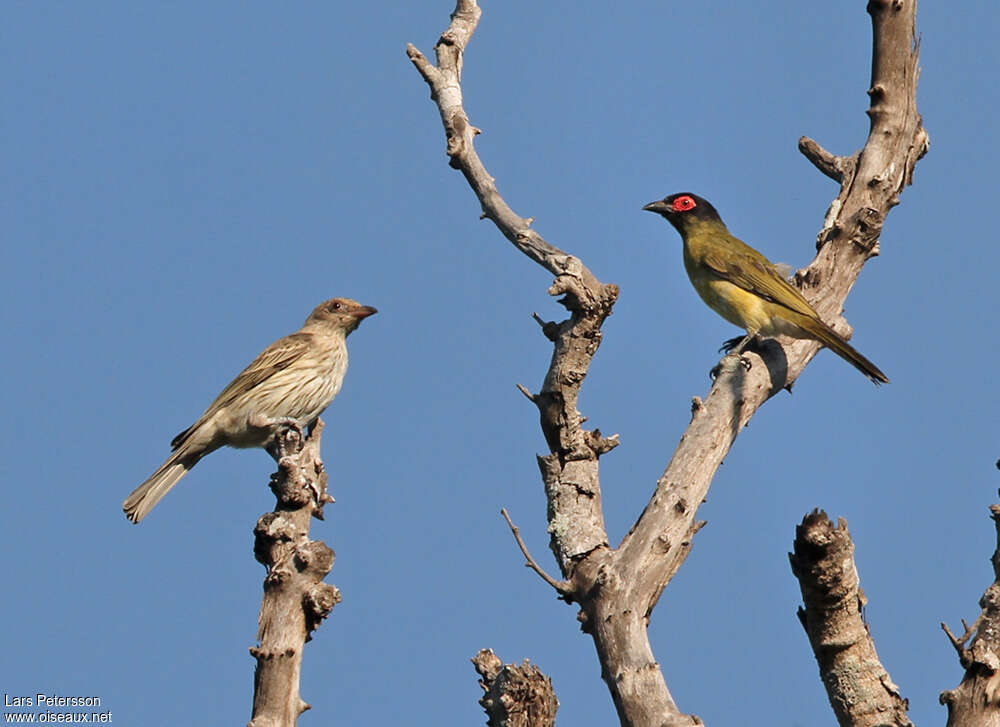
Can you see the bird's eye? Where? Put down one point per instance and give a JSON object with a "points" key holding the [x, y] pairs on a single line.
{"points": [[337, 305], [685, 203]]}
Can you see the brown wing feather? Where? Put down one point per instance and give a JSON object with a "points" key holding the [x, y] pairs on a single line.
{"points": [[278, 356]]}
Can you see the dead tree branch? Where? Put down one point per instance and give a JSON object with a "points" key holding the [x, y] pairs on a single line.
{"points": [[860, 690], [562, 587], [617, 589], [571, 470], [295, 598], [515, 695], [976, 701]]}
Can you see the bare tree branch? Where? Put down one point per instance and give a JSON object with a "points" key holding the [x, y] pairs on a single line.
{"points": [[515, 695], [295, 598], [618, 588], [869, 189], [976, 701], [570, 472], [860, 690], [833, 166], [562, 587]]}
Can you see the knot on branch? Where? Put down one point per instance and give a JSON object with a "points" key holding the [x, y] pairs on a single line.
{"points": [[487, 665], [259, 652], [828, 234], [285, 565], [601, 444], [583, 292], [285, 551], [576, 296], [879, 6], [318, 603], [550, 329], [301, 479], [869, 225], [457, 128], [823, 560], [876, 94], [272, 530], [515, 694], [922, 144], [808, 278], [314, 559]]}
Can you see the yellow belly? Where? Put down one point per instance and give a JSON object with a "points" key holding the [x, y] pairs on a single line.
{"points": [[736, 305], [748, 311]]}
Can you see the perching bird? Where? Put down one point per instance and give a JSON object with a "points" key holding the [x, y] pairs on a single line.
{"points": [[743, 286], [289, 384]]}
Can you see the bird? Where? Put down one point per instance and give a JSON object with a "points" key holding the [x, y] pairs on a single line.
{"points": [[743, 286], [288, 385]]}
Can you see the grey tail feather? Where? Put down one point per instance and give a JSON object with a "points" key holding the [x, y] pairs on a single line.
{"points": [[145, 497]]}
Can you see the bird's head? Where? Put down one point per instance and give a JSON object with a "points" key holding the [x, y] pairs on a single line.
{"points": [[340, 313], [685, 211]]}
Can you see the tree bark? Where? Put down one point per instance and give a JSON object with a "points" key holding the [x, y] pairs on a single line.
{"points": [[860, 690], [976, 701], [295, 598], [515, 695], [617, 588]]}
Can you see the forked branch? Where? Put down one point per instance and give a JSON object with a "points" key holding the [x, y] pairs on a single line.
{"points": [[976, 701], [618, 588]]}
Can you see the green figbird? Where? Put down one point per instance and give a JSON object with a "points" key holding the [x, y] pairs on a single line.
{"points": [[743, 286]]}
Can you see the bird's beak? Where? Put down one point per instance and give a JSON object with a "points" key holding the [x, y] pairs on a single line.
{"points": [[363, 312], [660, 207]]}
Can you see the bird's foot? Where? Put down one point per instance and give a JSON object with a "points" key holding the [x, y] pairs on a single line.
{"points": [[739, 344], [292, 424], [278, 442], [260, 421], [729, 364]]}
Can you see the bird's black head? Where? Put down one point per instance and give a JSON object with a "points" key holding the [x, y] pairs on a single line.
{"points": [[685, 210]]}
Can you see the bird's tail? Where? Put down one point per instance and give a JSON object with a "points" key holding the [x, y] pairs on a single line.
{"points": [[832, 340], [145, 497]]}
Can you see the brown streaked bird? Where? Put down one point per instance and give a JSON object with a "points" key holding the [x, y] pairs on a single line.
{"points": [[289, 384], [743, 286]]}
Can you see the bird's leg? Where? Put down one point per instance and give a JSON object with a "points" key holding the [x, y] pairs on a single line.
{"points": [[261, 421], [738, 344], [735, 347], [728, 364], [273, 425]]}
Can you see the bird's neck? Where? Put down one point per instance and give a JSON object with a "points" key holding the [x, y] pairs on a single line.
{"points": [[331, 332], [695, 228]]}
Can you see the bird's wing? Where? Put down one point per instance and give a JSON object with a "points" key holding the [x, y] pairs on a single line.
{"points": [[758, 275], [278, 356]]}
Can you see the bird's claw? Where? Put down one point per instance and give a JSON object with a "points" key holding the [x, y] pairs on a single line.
{"points": [[293, 424], [729, 364], [739, 344], [730, 343], [261, 421]]}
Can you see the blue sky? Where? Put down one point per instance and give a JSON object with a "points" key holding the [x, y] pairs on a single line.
{"points": [[183, 182]]}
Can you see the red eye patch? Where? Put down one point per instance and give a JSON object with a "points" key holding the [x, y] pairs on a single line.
{"points": [[684, 203]]}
